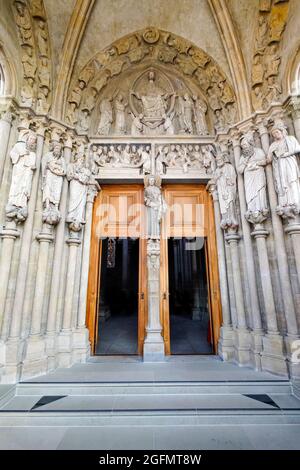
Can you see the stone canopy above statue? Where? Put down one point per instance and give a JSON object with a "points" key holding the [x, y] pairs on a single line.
{"points": [[151, 103]]}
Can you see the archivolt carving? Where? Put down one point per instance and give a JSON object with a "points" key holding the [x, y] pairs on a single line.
{"points": [[266, 87], [35, 54], [156, 47]]}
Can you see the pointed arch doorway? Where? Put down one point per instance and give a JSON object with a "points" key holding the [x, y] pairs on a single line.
{"points": [[189, 285]]}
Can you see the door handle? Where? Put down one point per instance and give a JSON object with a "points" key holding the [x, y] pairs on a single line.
{"points": [[142, 295], [165, 295]]}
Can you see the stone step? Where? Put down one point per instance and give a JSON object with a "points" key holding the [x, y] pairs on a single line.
{"points": [[157, 388]]}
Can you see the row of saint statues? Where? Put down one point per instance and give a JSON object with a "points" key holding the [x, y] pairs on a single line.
{"points": [[283, 155]]}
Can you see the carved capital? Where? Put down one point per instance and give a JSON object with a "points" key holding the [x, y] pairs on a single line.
{"points": [[288, 212], [68, 140], [51, 216], [256, 217], [56, 131], [92, 192], [212, 189]]}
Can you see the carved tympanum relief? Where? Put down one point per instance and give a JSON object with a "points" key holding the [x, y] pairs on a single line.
{"points": [[266, 86], [161, 159], [152, 103], [35, 54]]}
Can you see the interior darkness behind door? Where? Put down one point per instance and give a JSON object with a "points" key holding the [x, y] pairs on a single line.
{"points": [[118, 300]]}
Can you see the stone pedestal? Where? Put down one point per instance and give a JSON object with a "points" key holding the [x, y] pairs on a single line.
{"points": [[273, 359], [225, 344], [242, 346], [154, 349]]}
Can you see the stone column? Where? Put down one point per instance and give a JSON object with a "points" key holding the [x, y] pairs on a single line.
{"points": [[65, 342], [293, 229], [225, 346], [282, 260], [35, 362], [154, 349], [272, 354], [242, 337], [257, 332], [15, 344], [57, 266], [81, 333], [5, 127], [9, 234]]}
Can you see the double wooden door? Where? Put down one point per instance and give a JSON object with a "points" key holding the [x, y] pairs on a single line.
{"points": [[119, 212]]}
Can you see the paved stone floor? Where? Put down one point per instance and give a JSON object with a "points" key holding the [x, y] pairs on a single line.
{"points": [[188, 402]]}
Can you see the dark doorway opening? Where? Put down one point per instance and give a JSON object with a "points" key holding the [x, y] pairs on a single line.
{"points": [[190, 324], [118, 300]]}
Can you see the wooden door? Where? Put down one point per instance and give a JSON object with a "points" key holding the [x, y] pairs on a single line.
{"points": [[190, 214], [118, 212]]}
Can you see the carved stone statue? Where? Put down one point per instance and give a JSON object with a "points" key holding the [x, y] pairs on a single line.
{"points": [[274, 90], [106, 116], [209, 158], [24, 24], [185, 113], [251, 165], [200, 110], [42, 38], [79, 177], [225, 178], [55, 170], [23, 158], [153, 99], [156, 205], [283, 155], [145, 161], [119, 107]]}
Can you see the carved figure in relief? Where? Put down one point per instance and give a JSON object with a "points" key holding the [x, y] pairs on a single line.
{"points": [[76, 94], [274, 90], [24, 23], [272, 60], [55, 170], [120, 105], [225, 178], [42, 38], [209, 158], [79, 177], [230, 113], [251, 165], [23, 158], [213, 98], [106, 116], [195, 157], [262, 34], [87, 74], [90, 100], [258, 70], [185, 111], [226, 93], [220, 123], [277, 25], [28, 62], [156, 205], [44, 73], [200, 110], [84, 121], [283, 154], [145, 159], [27, 92], [257, 97], [153, 99], [137, 127]]}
